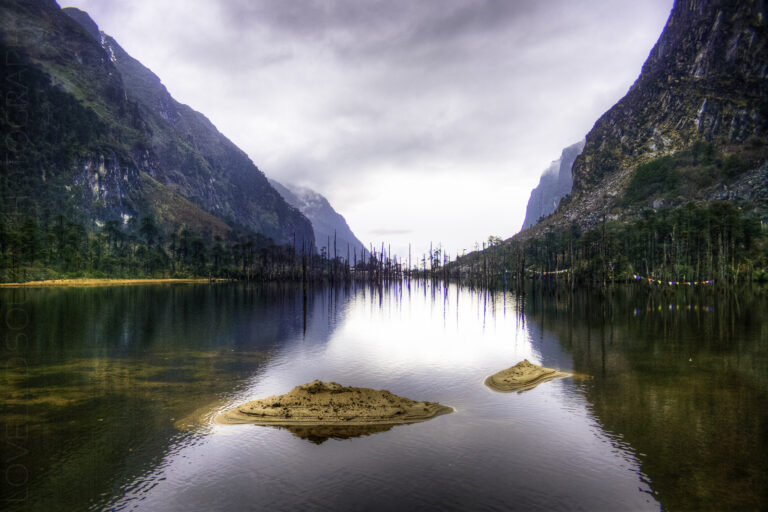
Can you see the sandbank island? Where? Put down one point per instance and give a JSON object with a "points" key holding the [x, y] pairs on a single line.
{"points": [[319, 410], [522, 377]]}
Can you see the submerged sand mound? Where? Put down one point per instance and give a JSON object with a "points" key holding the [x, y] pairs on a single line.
{"points": [[522, 377], [329, 405]]}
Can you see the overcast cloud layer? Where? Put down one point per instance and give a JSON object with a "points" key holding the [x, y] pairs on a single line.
{"points": [[420, 120]]}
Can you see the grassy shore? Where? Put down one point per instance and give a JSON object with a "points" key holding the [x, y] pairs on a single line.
{"points": [[109, 282]]}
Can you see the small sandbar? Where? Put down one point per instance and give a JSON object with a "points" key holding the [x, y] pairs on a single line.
{"points": [[329, 404], [522, 377], [88, 282]]}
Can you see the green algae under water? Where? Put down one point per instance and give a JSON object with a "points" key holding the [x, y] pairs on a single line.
{"points": [[107, 395]]}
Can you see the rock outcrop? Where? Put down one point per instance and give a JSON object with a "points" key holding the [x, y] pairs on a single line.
{"points": [[705, 81], [103, 140], [555, 183]]}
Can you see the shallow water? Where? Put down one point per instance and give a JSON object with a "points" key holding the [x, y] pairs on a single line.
{"points": [[108, 396]]}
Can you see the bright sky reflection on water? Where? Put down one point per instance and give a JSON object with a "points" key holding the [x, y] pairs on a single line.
{"points": [[538, 450]]}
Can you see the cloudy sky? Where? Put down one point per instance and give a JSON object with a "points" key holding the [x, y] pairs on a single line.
{"points": [[420, 120]]}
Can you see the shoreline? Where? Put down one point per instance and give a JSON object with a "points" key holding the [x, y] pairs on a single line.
{"points": [[233, 417], [91, 282]]}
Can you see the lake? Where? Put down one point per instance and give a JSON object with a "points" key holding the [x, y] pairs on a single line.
{"points": [[108, 396]]}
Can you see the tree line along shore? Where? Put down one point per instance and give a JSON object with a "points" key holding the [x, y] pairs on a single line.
{"points": [[717, 242]]}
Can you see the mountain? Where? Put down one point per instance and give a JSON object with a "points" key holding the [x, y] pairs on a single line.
{"points": [[104, 141], [327, 223], [692, 127], [555, 183]]}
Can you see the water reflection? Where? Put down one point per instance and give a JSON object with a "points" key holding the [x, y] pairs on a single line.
{"points": [[112, 385], [540, 450], [685, 387], [318, 434], [103, 382]]}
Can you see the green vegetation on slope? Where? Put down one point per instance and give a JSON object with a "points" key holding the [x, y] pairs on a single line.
{"points": [[93, 135], [689, 171], [45, 131]]}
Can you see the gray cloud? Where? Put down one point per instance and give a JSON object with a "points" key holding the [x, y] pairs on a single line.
{"points": [[355, 27], [438, 115]]}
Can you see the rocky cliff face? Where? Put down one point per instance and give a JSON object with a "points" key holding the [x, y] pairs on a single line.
{"points": [[555, 183], [134, 150], [704, 82], [328, 224]]}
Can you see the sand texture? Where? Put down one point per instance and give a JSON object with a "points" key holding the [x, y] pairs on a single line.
{"points": [[108, 282], [522, 377], [320, 410]]}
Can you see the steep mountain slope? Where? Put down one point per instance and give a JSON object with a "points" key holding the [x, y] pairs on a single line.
{"points": [[693, 126], [326, 222], [104, 140], [555, 183]]}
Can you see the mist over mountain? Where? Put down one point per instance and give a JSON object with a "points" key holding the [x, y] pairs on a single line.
{"points": [[330, 226], [555, 183]]}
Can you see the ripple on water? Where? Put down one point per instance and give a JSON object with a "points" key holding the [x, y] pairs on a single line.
{"points": [[120, 397]]}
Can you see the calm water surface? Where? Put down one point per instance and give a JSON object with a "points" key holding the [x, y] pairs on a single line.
{"points": [[108, 393]]}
